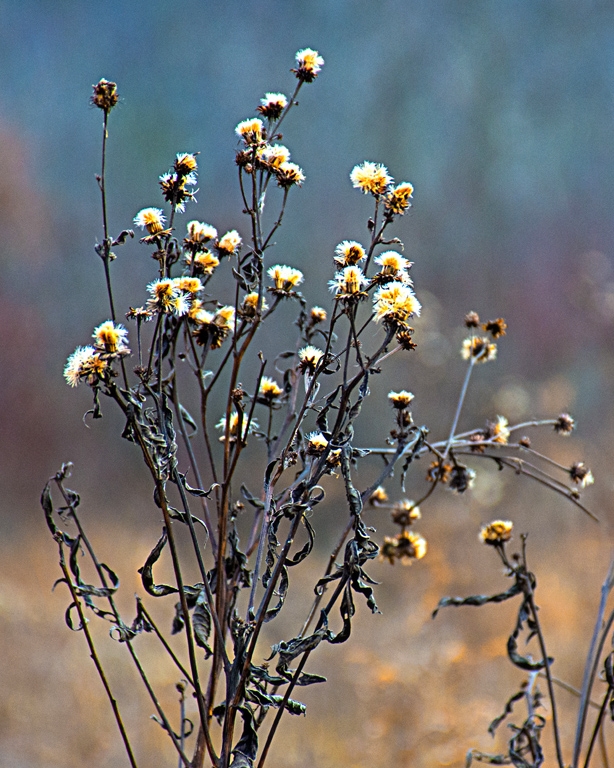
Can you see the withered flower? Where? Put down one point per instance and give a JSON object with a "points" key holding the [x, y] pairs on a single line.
{"points": [[581, 474], [496, 327], [405, 339], [472, 320], [439, 471], [461, 478]]}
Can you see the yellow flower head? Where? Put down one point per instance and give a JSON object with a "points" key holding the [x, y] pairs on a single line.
{"points": [[371, 177], [163, 294], [400, 400], [479, 348], [394, 266], [349, 253], [406, 547], [395, 303], [274, 155], [250, 306], [151, 219], [229, 243], [111, 338], [233, 427], [205, 261], [269, 389], [185, 163], [285, 278], [308, 65], [379, 496], [496, 328], [497, 532], [317, 315], [272, 105], [309, 358], [188, 284], [250, 131], [397, 200], [289, 174], [349, 282], [316, 443], [225, 317], [499, 431], [199, 232], [84, 363]]}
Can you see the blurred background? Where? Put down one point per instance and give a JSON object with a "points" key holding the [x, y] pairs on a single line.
{"points": [[501, 115]]}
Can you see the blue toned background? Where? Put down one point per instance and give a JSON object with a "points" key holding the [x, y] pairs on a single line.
{"points": [[500, 113]]}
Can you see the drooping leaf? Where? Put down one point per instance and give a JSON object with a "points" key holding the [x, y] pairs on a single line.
{"points": [[157, 590], [509, 708], [201, 623], [514, 590]]}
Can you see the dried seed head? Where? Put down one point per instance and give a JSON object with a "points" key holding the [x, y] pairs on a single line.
{"points": [[496, 327], [439, 471], [472, 320], [104, 95], [581, 474], [461, 478], [405, 340], [564, 425]]}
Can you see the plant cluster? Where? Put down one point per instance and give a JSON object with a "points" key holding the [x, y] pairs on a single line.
{"points": [[251, 513]]}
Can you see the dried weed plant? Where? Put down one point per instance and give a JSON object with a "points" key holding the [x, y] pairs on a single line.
{"points": [[298, 412]]}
